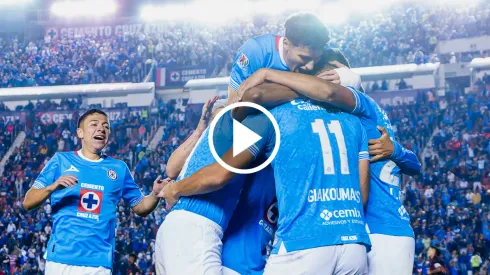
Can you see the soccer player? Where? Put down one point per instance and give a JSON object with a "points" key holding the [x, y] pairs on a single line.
{"points": [[319, 175], [304, 42], [189, 239], [84, 188], [388, 222]]}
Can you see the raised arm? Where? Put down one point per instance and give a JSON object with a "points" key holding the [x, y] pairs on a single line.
{"points": [[179, 156]]}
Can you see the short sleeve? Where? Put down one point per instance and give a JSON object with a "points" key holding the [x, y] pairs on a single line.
{"points": [[248, 60], [49, 174], [262, 126], [131, 193], [363, 145]]}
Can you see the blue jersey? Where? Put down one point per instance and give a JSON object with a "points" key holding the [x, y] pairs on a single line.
{"points": [[217, 206], [385, 213], [252, 226], [84, 216], [264, 51], [316, 171]]}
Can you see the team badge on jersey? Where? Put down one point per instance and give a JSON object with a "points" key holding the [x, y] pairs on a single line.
{"points": [[272, 213], [243, 61], [90, 201], [112, 174]]}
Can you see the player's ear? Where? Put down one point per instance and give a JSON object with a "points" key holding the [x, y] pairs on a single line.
{"points": [[287, 44], [80, 133]]}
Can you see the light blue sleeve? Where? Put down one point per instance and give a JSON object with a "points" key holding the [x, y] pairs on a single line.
{"points": [[248, 60], [263, 127], [131, 193], [49, 174], [364, 107], [406, 160], [363, 145]]}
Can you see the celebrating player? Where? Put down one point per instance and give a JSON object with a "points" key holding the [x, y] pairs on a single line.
{"points": [[388, 222], [318, 174], [85, 188], [304, 42]]}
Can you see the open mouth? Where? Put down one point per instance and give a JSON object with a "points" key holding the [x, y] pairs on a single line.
{"points": [[99, 137]]}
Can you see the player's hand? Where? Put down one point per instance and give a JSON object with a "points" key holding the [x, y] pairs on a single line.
{"points": [[382, 147], [169, 195], [254, 80], [65, 181], [206, 113], [330, 75], [159, 183]]}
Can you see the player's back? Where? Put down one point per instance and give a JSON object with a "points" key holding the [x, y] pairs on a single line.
{"points": [[317, 177], [217, 206], [385, 213], [265, 51], [252, 226]]}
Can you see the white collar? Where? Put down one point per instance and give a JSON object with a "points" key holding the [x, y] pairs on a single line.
{"points": [[79, 153]]}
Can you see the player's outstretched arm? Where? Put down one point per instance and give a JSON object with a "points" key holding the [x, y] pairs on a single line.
{"points": [[35, 197], [268, 95], [147, 204], [179, 156], [207, 179], [309, 86]]}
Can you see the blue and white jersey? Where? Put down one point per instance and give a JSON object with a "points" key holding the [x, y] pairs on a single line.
{"points": [[265, 51], [385, 213], [217, 206], [252, 226], [84, 216], [316, 171]]}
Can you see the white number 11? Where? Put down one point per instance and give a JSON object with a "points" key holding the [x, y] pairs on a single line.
{"points": [[335, 128]]}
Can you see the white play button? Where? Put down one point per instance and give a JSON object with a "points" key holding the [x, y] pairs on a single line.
{"points": [[243, 138]]}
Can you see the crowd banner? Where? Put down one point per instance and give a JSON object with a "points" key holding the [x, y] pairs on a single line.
{"points": [[394, 98], [59, 116], [13, 117], [177, 76], [58, 30]]}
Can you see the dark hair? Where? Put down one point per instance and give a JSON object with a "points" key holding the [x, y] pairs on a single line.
{"points": [[438, 251], [305, 29], [328, 56], [88, 113], [331, 54], [133, 255]]}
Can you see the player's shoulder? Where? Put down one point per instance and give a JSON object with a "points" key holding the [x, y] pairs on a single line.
{"points": [[265, 42], [114, 162], [61, 156]]}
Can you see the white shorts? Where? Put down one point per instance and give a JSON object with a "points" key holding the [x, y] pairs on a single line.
{"points": [[188, 243], [227, 271], [391, 255], [53, 268], [336, 259]]}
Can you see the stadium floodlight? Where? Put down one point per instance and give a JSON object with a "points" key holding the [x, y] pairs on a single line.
{"points": [[83, 8]]}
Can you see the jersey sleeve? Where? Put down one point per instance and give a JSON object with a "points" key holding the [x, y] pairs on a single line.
{"points": [[364, 107], [49, 174], [131, 193], [363, 145], [405, 159], [262, 126], [248, 60]]}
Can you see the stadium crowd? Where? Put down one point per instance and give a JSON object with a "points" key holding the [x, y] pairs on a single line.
{"points": [[399, 35]]}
